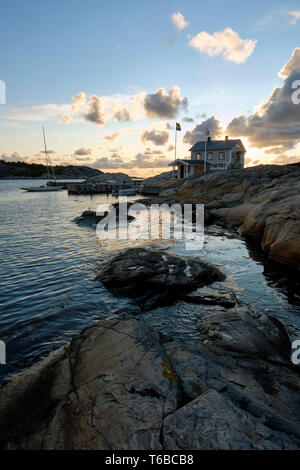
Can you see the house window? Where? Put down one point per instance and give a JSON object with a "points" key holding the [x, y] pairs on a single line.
{"points": [[198, 156], [210, 156], [221, 155]]}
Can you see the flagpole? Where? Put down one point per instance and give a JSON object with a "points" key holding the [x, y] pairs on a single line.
{"points": [[205, 157], [175, 139]]}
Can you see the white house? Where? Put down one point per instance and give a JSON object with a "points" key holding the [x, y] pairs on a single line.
{"points": [[210, 155]]}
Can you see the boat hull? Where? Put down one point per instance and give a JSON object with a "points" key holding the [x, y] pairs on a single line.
{"points": [[42, 189]]}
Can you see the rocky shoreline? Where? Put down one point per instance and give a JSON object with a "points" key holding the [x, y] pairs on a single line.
{"points": [[263, 202], [122, 384]]}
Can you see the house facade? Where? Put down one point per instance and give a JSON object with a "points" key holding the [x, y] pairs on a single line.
{"points": [[210, 155]]}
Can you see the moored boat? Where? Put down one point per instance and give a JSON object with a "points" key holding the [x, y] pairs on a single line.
{"points": [[46, 187]]}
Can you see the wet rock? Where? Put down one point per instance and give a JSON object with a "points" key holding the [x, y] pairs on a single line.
{"points": [[283, 282], [216, 294], [246, 331], [90, 218], [152, 277], [120, 385]]}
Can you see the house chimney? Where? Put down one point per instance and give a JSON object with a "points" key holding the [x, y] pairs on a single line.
{"points": [[226, 138], [208, 138]]}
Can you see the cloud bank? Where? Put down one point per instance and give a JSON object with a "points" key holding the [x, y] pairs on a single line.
{"points": [[148, 159], [276, 123]]}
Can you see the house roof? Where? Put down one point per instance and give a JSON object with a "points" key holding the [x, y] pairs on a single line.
{"points": [[188, 162], [217, 145]]}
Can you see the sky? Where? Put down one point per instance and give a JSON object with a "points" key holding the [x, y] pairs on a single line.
{"points": [[109, 80]]}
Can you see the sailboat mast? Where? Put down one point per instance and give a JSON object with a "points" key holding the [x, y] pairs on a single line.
{"points": [[48, 160], [46, 154]]}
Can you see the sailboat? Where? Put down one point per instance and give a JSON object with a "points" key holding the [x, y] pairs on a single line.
{"points": [[45, 187]]}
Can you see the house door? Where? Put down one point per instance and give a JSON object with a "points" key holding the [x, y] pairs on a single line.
{"points": [[181, 169]]}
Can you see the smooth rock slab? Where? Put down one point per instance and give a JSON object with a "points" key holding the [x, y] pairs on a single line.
{"points": [[216, 294], [121, 385], [152, 277]]}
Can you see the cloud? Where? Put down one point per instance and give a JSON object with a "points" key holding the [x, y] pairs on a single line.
{"points": [[122, 115], [164, 105], [198, 133], [13, 157], [285, 160], [187, 119], [226, 43], [276, 122], [147, 159], [66, 118], [179, 21], [34, 113], [124, 108], [83, 151], [94, 112], [112, 137], [295, 16], [78, 101], [155, 136], [291, 65]]}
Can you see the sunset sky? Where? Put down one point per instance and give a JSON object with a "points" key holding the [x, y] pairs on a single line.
{"points": [[109, 80]]}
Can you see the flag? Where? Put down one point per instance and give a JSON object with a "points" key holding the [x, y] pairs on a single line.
{"points": [[178, 126], [207, 131]]}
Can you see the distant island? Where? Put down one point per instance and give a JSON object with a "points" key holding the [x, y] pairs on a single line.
{"points": [[13, 170]]}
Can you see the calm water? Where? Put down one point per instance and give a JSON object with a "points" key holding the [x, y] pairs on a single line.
{"points": [[48, 264]]}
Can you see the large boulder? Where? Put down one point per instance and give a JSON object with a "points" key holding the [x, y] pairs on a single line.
{"points": [[120, 385], [153, 276]]}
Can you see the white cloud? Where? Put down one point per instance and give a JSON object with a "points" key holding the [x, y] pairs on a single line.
{"points": [[227, 43], [66, 119], [295, 16], [179, 21], [35, 113], [78, 101]]}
